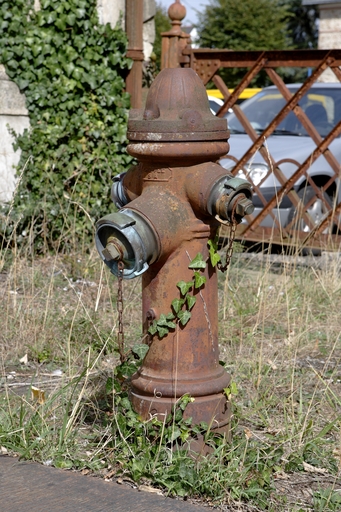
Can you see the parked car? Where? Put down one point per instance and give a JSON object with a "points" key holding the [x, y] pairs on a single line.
{"points": [[322, 105], [215, 103], [215, 98]]}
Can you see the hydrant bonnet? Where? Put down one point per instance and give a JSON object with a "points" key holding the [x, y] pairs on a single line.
{"points": [[177, 109]]}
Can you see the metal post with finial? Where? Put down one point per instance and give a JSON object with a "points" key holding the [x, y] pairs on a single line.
{"points": [[175, 40]]}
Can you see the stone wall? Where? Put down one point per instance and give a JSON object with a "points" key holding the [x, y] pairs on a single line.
{"points": [[329, 37], [13, 114], [329, 33]]}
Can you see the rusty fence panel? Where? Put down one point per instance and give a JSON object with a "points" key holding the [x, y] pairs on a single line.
{"points": [[301, 230]]}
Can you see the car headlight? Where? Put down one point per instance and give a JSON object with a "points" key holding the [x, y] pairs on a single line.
{"points": [[254, 173]]}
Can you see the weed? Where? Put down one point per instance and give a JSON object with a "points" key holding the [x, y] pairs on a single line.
{"points": [[326, 500], [279, 338]]}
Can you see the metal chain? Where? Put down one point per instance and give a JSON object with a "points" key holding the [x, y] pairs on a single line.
{"points": [[229, 248], [120, 332]]}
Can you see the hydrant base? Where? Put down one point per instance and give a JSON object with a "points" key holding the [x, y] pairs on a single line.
{"points": [[215, 410]]}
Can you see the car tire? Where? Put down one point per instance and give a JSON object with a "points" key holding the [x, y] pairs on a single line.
{"points": [[317, 211]]}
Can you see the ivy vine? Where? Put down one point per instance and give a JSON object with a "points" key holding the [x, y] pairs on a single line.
{"points": [[71, 69], [182, 306]]}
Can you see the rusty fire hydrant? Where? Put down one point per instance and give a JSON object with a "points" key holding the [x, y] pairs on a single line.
{"points": [[169, 204]]}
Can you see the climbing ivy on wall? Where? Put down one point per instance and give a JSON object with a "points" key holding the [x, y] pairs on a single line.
{"points": [[71, 70]]}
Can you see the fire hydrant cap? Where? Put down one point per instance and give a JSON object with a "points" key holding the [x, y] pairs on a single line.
{"points": [[177, 109]]}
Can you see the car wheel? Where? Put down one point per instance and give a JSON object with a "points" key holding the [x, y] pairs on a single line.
{"points": [[317, 211]]}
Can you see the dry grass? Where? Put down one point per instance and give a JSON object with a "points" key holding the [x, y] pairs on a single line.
{"points": [[279, 336]]}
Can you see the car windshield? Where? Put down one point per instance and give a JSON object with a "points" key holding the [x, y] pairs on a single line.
{"points": [[322, 105]]}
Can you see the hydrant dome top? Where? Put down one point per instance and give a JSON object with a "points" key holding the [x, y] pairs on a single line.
{"points": [[177, 109]]}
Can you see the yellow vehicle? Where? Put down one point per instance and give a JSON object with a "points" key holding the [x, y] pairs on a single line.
{"points": [[245, 95]]}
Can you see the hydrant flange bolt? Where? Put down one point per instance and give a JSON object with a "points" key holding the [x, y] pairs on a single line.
{"points": [[234, 208], [244, 207], [127, 236], [150, 315], [230, 198], [113, 250]]}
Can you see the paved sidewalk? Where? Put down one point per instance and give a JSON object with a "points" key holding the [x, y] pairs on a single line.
{"points": [[31, 487]]}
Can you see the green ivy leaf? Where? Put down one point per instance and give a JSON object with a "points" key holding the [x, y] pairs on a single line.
{"points": [[184, 286], [140, 349], [71, 19], [162, 331], [153, 328], [164, 322], [109, 385], [171, 325], [177, 304], [199, 280], [231, 390], [184, 317], [197, 262], [176, 432], [214, 256], [62, 463], [190, 301], [61, 23]]}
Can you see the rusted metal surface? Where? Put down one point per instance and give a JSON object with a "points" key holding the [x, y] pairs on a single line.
{"points": [[232, 98], [175, 194], [134, 29], [31, 487], [185, 361], [169, 117], [205, 60], [207, 63], [173, 198], [175, 40], [201, 60]]}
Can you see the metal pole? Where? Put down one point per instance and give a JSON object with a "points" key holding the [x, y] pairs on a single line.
{"points": [[174, 41], [134, 29]]}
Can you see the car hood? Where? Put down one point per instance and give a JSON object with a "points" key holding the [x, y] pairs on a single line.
{"points": [[279, 146]]}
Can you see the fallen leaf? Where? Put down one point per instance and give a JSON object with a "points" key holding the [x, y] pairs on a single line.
{"points": [[313, 469], [38, 395], [57, 373], [110, 474], [148, 488], [272, 365], [281, 475], [248, 433], [24, 359]]}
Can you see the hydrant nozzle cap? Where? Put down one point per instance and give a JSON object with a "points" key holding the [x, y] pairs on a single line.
{"points": [[177, 109]]}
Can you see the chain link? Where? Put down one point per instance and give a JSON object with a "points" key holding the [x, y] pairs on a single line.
{"points": [[232, 235], [120, 332]]}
